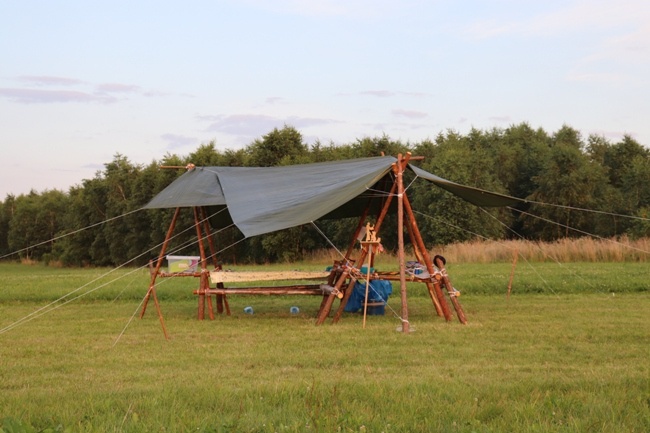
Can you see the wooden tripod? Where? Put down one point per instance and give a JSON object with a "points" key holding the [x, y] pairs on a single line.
{"points": [[346, 274], [203, 234]]}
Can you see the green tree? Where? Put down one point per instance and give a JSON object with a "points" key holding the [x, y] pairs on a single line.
{"points": [[7, 209], [278, 147], [376, 146], [36, 221], [447, 218], [569, 179], [205, 155], [618, 158]]}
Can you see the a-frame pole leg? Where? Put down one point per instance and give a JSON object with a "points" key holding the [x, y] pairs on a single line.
{"points": [[450, 290], [220, 299], [362, 221], [326, 307], [154, 274], [204, 284], [346, 296], [160, 316], [427, 259], [378, 223], [430, 287]]}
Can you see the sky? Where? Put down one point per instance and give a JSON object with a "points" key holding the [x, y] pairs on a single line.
{"points": [[83, 81]]}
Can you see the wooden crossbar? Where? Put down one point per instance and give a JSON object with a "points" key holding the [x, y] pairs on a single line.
{"points": [[314, 289], [239, 277]]}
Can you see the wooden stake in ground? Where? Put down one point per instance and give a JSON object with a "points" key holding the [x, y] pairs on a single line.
{"points": [[512, 272]]}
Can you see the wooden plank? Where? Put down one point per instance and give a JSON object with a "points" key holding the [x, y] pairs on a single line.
{"points": [[319, 290], [239, 277]]}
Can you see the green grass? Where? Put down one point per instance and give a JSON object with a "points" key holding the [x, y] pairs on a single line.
{"points": [[568, 352]]}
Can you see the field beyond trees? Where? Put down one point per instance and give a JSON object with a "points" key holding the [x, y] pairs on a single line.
{"points": [[566, 352]]}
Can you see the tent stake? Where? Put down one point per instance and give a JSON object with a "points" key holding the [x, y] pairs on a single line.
{"points": [[512, 272]]}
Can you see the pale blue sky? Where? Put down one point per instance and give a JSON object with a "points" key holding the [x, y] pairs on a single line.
{"points": [[83, 80]]}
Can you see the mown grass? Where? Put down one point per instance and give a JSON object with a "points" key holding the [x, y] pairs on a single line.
{"points": [[568, 351]]}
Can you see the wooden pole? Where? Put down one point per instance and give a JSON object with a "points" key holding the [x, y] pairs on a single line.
{"points": [[427, 259], [450, 291], [365, 302], [327, 305], [399, 168], [512, 271], [220, 299], [420, 257], [204, 283], [187, 167], [369, 244], [378, 223], [154, 274], [362, 221]]}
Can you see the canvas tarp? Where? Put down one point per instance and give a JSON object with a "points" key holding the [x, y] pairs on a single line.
{"points": [[266, 199], [473, 195]]}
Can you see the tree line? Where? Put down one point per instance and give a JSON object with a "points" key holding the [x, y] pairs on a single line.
{"points": [[562, 175]]}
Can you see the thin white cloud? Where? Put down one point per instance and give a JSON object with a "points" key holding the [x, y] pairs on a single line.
{"points": [[175, 141], [500, 119], [378, 93], [274, 99], [415, 94], [244, 124], [254, 125], [579, 75], [357, 9], [118, 88], [571, 17], [390, 93], [36, 96], [44, 80], [411, 114], [616, 36]]}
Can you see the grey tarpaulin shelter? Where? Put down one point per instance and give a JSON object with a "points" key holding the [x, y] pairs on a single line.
{"points": [[261, 200]]}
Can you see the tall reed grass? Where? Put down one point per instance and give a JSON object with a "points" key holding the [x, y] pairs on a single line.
{"points": [[584, 249]]}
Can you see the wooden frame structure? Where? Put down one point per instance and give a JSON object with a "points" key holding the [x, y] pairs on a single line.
{"points": [[343, 275]]}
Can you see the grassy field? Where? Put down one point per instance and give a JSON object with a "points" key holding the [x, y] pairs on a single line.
{"points": [[569, 351]]}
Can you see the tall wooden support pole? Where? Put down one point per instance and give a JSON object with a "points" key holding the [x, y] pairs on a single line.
{"points": [[427, 260], [206, 230], [204, 283], [221, 299], [152, 284], [399, 169]]}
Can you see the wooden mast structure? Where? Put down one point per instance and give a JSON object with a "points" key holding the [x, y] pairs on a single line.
{"points": [[347, 275], [344, 274]]}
